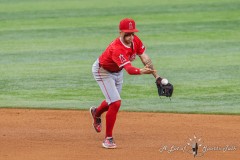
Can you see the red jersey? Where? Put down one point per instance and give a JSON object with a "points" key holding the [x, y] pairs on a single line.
{"points": [[118, 54]]}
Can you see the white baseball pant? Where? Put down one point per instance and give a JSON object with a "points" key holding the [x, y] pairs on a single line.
{"points": [[110, 83]]}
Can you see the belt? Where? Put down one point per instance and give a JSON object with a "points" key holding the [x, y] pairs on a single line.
{"points": [[108, 70]]}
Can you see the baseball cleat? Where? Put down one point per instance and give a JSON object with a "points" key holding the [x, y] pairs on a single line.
{"points": [[109, 143], [97, 125]]}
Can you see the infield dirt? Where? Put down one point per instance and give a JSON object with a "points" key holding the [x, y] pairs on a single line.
{"points": [[31, 134]]}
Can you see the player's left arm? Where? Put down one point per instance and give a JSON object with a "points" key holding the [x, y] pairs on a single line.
{"points": [[146, 60]]}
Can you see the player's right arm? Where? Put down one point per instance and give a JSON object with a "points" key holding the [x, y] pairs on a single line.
{"points": [[136, 71]]}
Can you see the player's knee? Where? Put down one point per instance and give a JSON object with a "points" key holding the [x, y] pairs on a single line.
{"points": [[115, 105], [118, 103]]}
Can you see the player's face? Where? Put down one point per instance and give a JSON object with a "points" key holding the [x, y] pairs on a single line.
{"points": [[127, 37]]}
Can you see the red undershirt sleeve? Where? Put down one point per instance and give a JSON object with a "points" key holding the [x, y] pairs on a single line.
{"points": [[131, 70]]}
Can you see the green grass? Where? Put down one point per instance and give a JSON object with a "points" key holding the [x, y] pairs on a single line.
{"points": [[47, 49]]}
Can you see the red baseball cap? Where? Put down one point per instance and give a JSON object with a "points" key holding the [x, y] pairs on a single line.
{"points": [[127, 25]]}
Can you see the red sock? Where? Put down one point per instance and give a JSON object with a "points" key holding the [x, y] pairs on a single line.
{"points": [[111, 117], [102, 108]]}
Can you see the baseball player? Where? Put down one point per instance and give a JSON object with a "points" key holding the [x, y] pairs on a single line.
{"points": [[108, 72]]}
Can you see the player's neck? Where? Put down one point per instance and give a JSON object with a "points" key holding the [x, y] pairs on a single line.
{"points": [[125, 43]]}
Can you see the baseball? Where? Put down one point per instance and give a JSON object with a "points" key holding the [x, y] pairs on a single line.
{"points": [[164, 81]]}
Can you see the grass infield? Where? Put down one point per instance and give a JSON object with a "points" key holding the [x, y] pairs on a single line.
{"points": [[47, 49]]}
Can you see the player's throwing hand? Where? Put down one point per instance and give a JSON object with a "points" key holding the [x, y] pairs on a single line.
{"points": [[147, 70]]}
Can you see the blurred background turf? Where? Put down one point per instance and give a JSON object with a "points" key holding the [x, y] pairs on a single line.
{"points": [[47, 49]]}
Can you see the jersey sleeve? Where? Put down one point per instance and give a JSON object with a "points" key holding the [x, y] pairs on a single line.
{"points": [[120, 58], [140, 48]]}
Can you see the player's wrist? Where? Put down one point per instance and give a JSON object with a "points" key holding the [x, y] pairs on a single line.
{"points": [[157, 77]]}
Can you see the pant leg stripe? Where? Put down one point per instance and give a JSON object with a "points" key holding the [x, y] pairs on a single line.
{"points": [[103, 83]]}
